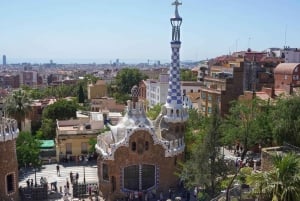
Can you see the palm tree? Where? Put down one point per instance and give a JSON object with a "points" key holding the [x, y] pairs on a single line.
{"points": [[17, 105], [280, 184]]}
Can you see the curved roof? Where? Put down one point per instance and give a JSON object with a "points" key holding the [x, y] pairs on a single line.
{"points": [[286, 68]]}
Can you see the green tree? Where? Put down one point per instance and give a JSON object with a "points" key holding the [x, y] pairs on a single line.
{"points": [[17, 105], [187, 75], [81, 96], [92, 143], [282, 183], [28, 150], [61, 110], [127, 78], [286, 120], [242, 125], [153, 112], [47, 130], [206, 163]]}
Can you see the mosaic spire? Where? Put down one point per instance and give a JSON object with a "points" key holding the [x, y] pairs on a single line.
{"points": [[175, 111]]}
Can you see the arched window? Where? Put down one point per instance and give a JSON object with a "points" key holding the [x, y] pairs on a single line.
{"points": [[133, 146], [177, 113]]}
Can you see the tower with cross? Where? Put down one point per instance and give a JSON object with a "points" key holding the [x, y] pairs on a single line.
{"points": [[175, 107]]}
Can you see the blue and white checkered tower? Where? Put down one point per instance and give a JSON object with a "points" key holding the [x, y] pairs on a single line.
{"points": [[176, 112]]}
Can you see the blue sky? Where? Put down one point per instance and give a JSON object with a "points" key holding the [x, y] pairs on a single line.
{"points": [[137, 30]]}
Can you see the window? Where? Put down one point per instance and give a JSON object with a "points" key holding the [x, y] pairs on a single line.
{"points": [[137, 176], [68, 148], [209, 110], [146, 145], [105, 172], [192, 91], [84, 148], [133, 146], [10, 183], [203, 95], [209, 97]]}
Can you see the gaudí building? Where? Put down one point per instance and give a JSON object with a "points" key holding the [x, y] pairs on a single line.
{"points": [[8, 160], [139, 155]]}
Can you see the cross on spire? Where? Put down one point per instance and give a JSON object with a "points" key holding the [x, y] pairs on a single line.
{"points": [[176, 3]]}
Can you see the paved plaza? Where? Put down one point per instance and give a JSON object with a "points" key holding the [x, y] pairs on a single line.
{"points": [[49, 171]]}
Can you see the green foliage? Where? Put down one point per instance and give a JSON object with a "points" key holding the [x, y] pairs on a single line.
{"points": [[61, 110], [282, 183], [286, 120], [206, 164], [17, 105], [92, 143], [47, 130], [153, 112], [187, 75], [80, 94], [195, 130], [124, 81], [28, 150], [244, 125]]}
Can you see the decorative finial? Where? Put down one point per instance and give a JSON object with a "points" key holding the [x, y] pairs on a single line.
{"points": [[176, 3]]}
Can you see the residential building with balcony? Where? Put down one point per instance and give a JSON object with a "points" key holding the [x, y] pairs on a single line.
{"points": [[72, 136]]}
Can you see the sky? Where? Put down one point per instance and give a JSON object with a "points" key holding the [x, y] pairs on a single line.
{"points": [[87, 31]]}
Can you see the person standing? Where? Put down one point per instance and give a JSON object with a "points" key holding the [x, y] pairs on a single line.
{"points": [[57, 170], [77, 177], [68, 184], [71, 177]]}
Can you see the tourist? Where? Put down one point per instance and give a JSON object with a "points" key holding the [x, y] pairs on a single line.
{"points": [[57, 170], [77, 177]]}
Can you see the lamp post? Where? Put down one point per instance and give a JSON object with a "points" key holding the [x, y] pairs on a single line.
{"points": [[31, 165], [84, 174]]}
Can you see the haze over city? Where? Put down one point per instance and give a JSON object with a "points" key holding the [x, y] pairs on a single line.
{"points": [[135, 31]]}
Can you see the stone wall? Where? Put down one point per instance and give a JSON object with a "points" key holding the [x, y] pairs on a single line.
{"points": [[8, 166]]}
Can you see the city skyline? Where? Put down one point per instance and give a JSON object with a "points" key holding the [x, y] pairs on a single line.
{"points": [[136, 31]]}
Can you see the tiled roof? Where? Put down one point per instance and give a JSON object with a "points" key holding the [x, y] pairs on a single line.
{"points": [[286, 68]]}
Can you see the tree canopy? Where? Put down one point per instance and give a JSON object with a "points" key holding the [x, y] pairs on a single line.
{"points": [[187, 75], [127, 78], [17, 105], [28, 150], [282, 183], [61, 110]]}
